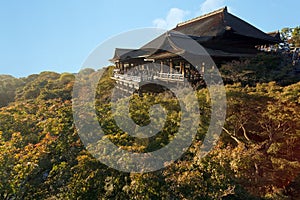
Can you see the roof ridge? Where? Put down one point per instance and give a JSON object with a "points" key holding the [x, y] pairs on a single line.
{"points": [[203, 16], [277, 31], [124, 48]]}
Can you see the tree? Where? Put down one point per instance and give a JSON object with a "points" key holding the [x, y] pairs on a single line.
{"points": [[291, 36], [286, 34], [296, 36], [257, 156]]}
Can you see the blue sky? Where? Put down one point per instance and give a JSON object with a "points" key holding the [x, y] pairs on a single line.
{"points": [[58, 35]]}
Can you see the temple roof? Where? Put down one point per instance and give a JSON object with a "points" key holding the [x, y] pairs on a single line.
{"points": [[275, 34], [124, 54], [219, 22], [220, 33]]}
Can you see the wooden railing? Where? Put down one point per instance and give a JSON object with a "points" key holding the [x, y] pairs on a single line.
{"points": [[159, 76], [194, 77], [128, 77], [172, 77]]}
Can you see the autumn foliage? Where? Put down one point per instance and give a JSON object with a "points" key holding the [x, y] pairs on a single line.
{"points": [[256, 157]]}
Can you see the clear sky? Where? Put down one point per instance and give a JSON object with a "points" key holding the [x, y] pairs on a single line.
{"points": [[58, 35]]}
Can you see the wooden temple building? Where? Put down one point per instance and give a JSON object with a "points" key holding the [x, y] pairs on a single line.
{"points": [[224, 36]]}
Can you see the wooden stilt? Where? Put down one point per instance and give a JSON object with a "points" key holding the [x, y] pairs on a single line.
{"points": [[181, 67]]}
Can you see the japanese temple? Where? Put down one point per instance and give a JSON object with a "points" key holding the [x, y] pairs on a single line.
{"points": [[224, 37]]}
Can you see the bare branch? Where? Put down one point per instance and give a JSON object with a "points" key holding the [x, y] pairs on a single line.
{"points": [[231, 135], [245, 133]]}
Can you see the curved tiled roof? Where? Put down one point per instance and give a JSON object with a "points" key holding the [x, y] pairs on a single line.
{"points": [[219, 22], [220, 32]]}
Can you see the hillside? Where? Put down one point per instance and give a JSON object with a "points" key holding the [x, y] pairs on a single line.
{"points": [[256, 157]]}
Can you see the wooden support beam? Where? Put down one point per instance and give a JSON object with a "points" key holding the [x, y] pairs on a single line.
{"points": [[121, 66], [203, 68], [181, 67], [171, 66]]}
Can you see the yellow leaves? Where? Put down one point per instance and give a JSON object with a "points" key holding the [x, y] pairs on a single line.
{"points": [[83, 158], [283, 164]]}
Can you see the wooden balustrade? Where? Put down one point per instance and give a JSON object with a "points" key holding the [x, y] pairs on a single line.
{"points": [[170, 76], [159, 76]]}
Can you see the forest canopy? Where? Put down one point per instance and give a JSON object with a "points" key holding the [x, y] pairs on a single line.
{"points": [[256, 157]]}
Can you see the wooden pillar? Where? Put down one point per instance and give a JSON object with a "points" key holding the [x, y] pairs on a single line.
{"points": [[121, 66], [161, 67], [171, 66], [203, 68], [181, 67]]}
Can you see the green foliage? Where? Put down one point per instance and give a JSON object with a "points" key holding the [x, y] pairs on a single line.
{"points": [[296, 36], [8, 87], [286, 34], [257, 156], [263, 68], [291, 36]]}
